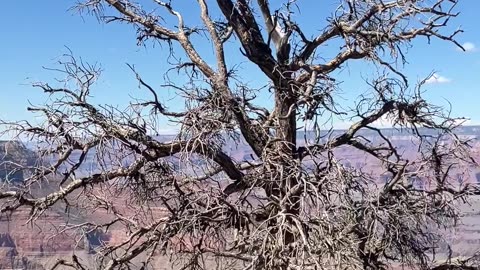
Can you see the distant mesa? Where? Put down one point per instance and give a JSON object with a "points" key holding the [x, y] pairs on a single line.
{"points": [[14, 158]]}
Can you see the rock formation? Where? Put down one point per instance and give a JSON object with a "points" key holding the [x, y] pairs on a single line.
{"points": [[14, 158]]}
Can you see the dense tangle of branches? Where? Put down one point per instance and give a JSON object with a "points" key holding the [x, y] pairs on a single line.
{"points": [[294, 204]]}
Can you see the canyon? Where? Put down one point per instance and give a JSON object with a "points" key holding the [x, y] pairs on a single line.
{"points": [[38, 244]]}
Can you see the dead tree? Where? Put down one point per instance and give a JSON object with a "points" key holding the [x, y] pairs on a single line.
{"points": [[295, 204]]}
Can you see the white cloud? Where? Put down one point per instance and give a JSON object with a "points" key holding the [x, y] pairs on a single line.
{"points": [[466, 122], [342, 125], [383, 122], [469, 47], [462, 122], [436, 79]]}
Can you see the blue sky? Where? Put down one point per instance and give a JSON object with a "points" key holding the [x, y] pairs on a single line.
{"points": [[35, 34]]}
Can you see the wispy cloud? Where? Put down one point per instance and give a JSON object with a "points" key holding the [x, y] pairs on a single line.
{"points": [[437, 79], [464, 122], [469, 47], [343, 125], [382, 122]]}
